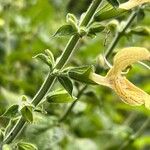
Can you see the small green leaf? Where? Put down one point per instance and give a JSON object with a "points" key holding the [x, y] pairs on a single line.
{"points": [[44, 59], [81, 74], [50, 56], [72, 20], [11, 111], [60, 96], [66, 83], [95, 28], [26, 146], [26, 113], [108, 12], [114, 3], [65, 30]]}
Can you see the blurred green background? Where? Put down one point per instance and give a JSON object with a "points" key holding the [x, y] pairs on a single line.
{"points": [[100, 120]]}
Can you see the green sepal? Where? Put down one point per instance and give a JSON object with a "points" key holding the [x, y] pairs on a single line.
{"points": [[60, 96], [81, 74]]}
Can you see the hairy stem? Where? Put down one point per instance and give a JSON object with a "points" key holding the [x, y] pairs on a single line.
{"points": [[119, 34], [50, 78]]}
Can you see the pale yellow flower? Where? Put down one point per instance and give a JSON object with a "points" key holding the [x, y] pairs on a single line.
{"points": [[114, 79], [132, 3]]}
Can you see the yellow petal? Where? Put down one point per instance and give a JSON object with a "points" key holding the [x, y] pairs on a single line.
{"points": [[129, 93], [132, 3], [126, 57]]}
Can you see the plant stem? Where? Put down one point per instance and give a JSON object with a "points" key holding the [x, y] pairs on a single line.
{"points": [[64, 117], [108, 52], [119, 34], [133, 137], [50, 78]]}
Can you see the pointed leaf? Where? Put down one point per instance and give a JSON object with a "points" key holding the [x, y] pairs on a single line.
{"points": [[72, 20], [66, 83], [50, 56], [11, 111], [44, 59], [65, 30], [61, 96], [108, 12]]}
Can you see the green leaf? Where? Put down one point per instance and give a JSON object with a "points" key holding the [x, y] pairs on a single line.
{"points": [[50, 56], [95, 28], [72, 20], [108, 12], [26, 146], [65, 30], [11, 111], [26, 113], [81, 74], [60, 96], [44, 58], [114, 3], [71, 17], [66, 83]]}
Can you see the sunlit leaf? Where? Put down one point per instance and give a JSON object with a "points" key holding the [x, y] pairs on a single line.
{"points": [[65, 30], [60, 96]]}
